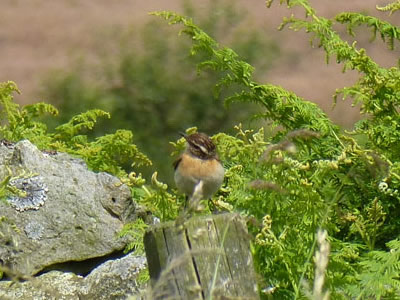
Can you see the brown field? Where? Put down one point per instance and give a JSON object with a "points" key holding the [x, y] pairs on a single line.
{"points": [[38, 35]]}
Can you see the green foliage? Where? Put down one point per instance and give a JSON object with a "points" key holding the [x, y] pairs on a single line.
{"points": [[386, 30], [392, 7], [77, 123], [20, 123], [158, 199], [6, 189], [3, 187], [106, 153], [135, 232], [145, 78], [143, 277], [379, 276], [309, 175]]}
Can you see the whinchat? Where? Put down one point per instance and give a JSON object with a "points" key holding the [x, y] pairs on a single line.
{"points": [[199, 162]]}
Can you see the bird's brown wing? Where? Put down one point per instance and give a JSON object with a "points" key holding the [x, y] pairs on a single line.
{"points": [[177, 162]]}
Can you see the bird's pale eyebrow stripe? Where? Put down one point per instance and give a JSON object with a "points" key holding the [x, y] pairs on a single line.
{"points": [[200, 146], [204, 149]]}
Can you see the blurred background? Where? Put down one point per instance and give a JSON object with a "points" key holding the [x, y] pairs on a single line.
{"points": [[113, 55]]}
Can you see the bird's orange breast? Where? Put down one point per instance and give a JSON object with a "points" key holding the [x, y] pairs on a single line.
{"points": [[199, 168]]}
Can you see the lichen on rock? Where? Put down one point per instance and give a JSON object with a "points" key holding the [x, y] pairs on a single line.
{"points": [[35, 191]]}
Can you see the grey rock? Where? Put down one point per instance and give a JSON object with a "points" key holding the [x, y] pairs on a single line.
{"points": [[115, 279], [66, 213], [52, 285]]}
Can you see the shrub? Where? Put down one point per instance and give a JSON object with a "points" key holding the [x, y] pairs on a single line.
{"points": [[309, 174]]}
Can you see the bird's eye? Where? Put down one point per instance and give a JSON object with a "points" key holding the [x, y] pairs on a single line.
{"points": [[194, 146], [200, 148]]}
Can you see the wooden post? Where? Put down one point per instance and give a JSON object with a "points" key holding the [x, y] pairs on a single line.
{"points": [[206, 257]]}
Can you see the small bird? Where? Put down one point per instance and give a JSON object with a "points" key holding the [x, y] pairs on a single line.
{"points": [[199, 162]]}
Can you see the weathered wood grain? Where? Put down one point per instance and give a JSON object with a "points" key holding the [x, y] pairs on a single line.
{"points": [[206, 257]]}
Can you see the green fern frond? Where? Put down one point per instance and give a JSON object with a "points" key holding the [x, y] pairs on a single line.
{"points": [[4, 191], [109, 152], [379, 274], [134, 232], [392, 7], [388, 32], [10, 109], [19, 121], [38, 109], [79, 122], [321, 29]]}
